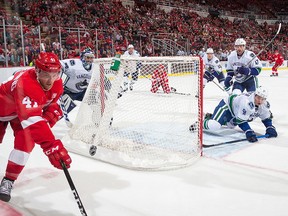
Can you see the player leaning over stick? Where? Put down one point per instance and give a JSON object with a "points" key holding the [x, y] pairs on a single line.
{"points": [[213, 69], [29, 103], [244, 66], [238, 110]]}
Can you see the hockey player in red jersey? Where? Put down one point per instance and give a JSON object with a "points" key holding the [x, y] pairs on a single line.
{"points": [[278, 59], [29, 103], [160, 78]]}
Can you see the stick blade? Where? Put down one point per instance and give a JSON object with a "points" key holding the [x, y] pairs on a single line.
{"points": [[279, 28]]}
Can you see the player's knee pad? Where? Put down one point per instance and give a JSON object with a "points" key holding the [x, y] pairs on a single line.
{"points": [[213, 125], [19, 157]]}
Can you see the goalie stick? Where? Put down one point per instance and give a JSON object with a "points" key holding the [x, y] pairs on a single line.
{"points": [[73, 188], [230, 142]]}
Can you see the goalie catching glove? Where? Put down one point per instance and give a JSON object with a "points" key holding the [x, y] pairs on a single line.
{"points": [[52, 114], [56, 152]]}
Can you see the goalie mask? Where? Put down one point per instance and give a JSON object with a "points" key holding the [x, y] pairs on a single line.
{"points": [[87, 56]]}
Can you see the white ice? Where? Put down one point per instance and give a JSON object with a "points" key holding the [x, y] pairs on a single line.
{"points": [[233, 180]]}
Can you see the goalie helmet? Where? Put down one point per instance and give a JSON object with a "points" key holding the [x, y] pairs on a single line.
{"points": [[240, 42], [262, 92], [87, 57], [209, 51], [48, 62]]}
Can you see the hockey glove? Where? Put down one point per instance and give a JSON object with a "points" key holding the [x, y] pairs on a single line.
{"points": [[52, 114], [208, 76], [251, 136], [271, 132], [228, 82], [244, 70], [56, 152]]}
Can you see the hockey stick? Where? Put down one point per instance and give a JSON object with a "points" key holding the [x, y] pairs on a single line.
{"points": [[232, 141], [279, 28], [73, 188], [219, 86], [180, 93]]}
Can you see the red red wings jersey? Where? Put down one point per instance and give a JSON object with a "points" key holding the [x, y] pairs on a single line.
{"points": [[278, 59], [22, 96]]}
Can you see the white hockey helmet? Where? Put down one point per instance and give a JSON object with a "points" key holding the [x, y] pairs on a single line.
{"points": [[240, 42], [130, 46], [262, 92], [209, 50]]}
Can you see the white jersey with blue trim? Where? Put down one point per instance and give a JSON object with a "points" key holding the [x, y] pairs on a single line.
{"points": [[243, 107], [131, 66], [77, 77], [212, 64], [235, 61], [133, 54]]}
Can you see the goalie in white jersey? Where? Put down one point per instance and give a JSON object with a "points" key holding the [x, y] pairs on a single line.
{"points": [[213, 68], [78, 74], [239, 110], [132, 67], [244, 66]]}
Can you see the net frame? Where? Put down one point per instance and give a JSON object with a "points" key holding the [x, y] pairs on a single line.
{"points": [[93, 146]]}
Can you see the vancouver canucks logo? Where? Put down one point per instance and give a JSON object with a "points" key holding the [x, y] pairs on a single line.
{"points": [[92, 150]]}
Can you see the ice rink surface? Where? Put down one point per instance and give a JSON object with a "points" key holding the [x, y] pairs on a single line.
{"points": [[235, 179]]}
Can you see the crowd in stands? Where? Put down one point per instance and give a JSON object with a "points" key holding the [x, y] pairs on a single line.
{"points": [[108, 27]]}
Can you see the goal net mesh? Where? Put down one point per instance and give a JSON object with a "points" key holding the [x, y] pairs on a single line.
{"points": [[134, 119]]}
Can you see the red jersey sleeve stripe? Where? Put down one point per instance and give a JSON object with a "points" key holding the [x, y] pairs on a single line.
{"points": [[32, 120]]}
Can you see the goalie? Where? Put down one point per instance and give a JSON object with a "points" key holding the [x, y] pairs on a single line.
{"points": [[160, 78]]}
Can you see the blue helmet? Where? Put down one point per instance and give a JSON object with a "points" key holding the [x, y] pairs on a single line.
{"points": [[87, 62]]}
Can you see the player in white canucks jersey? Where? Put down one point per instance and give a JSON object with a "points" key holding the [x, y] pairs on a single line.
{"points": [[213, 68], [239, 110], [78, 74], [244, 66], [131, 68]]}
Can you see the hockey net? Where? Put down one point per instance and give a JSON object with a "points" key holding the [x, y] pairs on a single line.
{"points": [[136, 128]]}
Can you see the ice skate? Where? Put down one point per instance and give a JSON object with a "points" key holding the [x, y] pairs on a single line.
{"points": [[5, 190]]}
